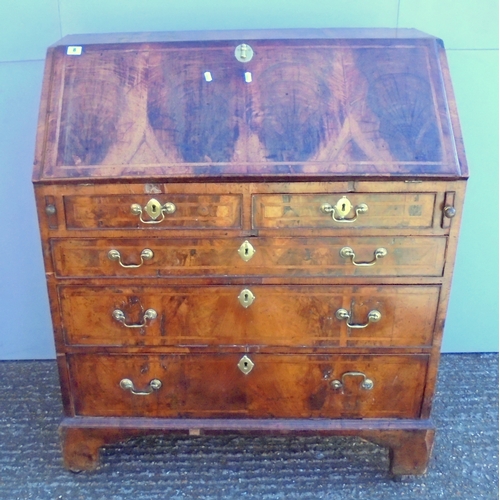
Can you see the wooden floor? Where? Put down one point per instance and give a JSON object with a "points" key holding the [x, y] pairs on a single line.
{"points": [[464, 463]]}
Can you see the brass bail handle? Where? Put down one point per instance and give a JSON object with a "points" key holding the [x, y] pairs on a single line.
{"points": [[342, 208], [119, 315], [146, 254], [373, 317], [348, 253], [154, 209], [366, 384], [127, 385]]}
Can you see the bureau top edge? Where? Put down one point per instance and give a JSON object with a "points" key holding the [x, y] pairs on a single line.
{"points": [[227, 35], [233, 179]]}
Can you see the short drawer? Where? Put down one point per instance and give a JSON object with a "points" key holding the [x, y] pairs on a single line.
{"points": [[214, 385], [298, 257], [336, 211], [316, 316], [163, 211]]}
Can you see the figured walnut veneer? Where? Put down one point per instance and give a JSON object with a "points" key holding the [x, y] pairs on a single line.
{"points": [[231, 303]]}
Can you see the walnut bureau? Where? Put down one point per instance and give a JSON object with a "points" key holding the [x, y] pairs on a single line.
{"points": [[249, 231]]}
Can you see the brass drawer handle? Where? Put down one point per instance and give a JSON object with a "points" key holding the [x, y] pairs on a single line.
{"points": [[348, 253], [148, 314], [127, 385], [366, 384], [373, 317], [146, 254], [154, 209], [342, 208]]}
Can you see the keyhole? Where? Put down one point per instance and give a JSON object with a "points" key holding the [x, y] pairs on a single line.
{"points": [[245, 365], [343, 207], [246, 298], [246, 250], [153, 208]]}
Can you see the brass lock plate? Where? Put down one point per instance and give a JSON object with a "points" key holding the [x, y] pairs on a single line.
{"points": [[343, 207], [246, 298], [246, 365], [153, 208], [243, 52], [246, 251]]}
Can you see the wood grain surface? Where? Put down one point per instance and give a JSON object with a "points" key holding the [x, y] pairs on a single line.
{"points": [[201, 316], [263, 153], [384, 210], [211, 386], [308, 257], [191, 212], [314, 107]]}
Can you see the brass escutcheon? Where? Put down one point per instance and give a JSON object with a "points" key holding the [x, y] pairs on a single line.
{"points": [[342, 208], [246, 298], [246, 251], [154, 209], [243, 52], [246, 365]]}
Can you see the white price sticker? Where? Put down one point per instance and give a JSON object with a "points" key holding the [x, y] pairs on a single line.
{"points": [[74, 50]]}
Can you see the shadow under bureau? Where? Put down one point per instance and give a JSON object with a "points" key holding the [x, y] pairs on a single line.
{"points": [[250, 232]]}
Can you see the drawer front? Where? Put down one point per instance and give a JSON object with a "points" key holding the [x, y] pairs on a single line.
{"points": [[202, 385], [162, 211], [339, 211], [274, 315], [308, 257]]}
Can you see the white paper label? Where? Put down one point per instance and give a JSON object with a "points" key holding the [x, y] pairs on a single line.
{"points": [[74, 50]]}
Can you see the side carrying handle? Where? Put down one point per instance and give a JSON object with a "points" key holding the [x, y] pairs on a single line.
{"points": [[366, 384], [127, 385]]}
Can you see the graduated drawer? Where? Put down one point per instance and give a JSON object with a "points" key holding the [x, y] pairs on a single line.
{"points": [[213, 385], [186, 211], [272, 316], [307, 257], [375, 210]]}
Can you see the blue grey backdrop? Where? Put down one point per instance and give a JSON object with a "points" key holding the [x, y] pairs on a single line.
{"points": [[469, 30]]}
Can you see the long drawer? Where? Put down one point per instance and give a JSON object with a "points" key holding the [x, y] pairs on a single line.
{"points": [[319, 316], [308, 257], [215, 385]]}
